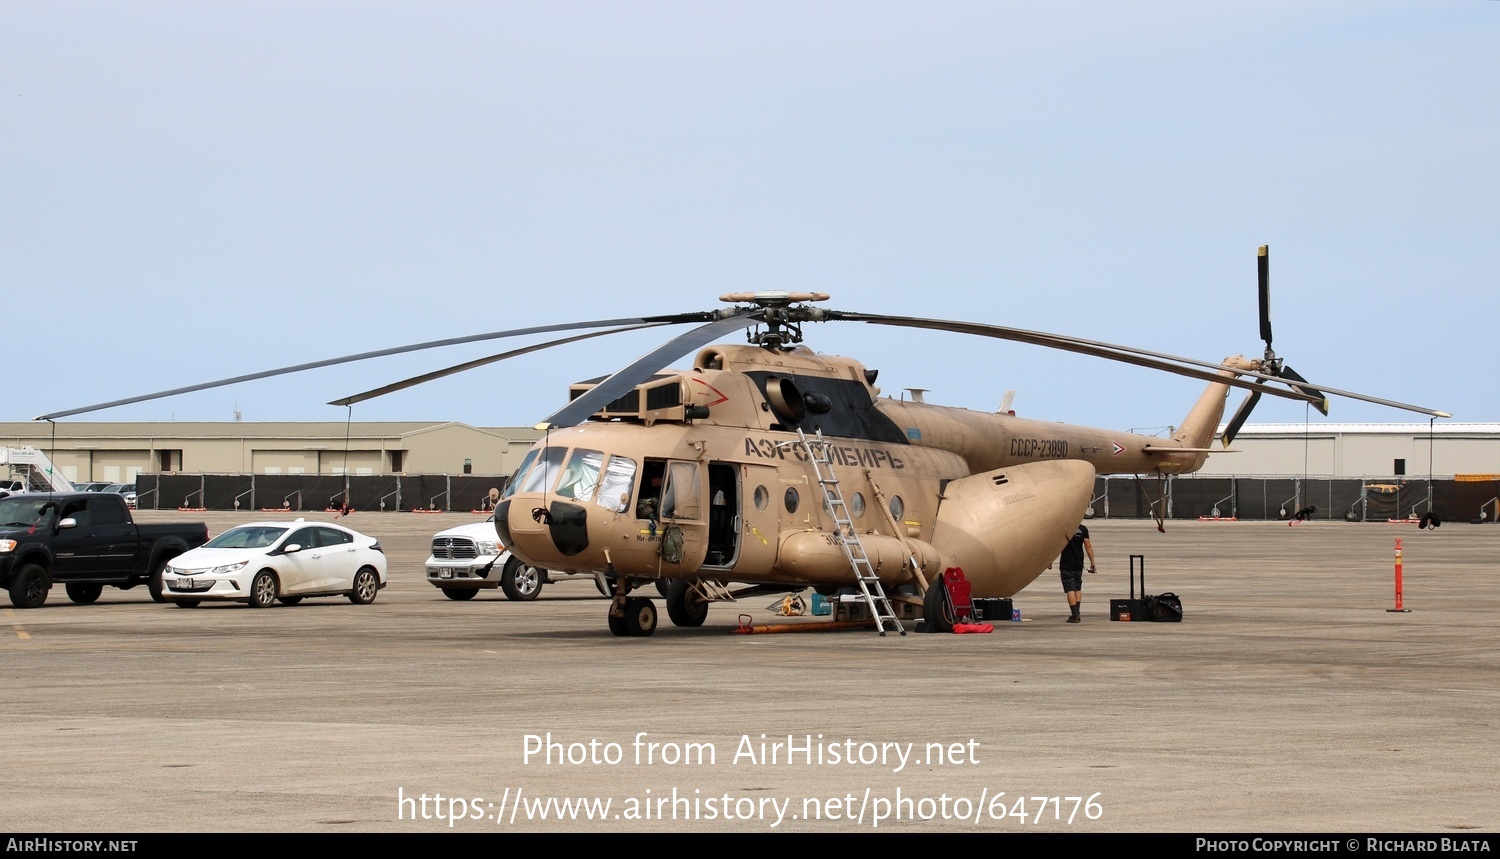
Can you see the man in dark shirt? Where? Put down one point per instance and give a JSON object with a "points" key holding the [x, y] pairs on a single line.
{"points": [[1071, 567]]}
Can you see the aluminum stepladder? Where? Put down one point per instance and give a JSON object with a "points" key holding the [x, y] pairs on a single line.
{"points": [[854, 550]]}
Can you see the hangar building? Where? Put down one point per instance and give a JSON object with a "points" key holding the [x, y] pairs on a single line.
{"points": [[1355, 471]]}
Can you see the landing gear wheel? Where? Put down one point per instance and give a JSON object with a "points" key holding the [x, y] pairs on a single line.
{"points": [[289, 600], [664, 586], [520, 581], [640, 616], [460, 594], [29, 587], [84, 594], [263, 589], [684, 607], [937, 611], [617, 625], [366, 586]]}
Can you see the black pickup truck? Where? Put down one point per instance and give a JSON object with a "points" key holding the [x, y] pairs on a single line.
{"points": [[83, 540]]}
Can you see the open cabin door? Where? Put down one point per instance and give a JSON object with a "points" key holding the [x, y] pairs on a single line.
{"points": [[723, 515], [684, 507]]}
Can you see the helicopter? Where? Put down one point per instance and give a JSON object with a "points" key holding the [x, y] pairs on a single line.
{"points": [[768, 467]]}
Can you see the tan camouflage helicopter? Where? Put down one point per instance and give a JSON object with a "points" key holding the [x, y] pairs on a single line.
{"points": [[766, 467]]}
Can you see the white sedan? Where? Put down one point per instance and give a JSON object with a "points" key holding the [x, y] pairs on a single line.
{"points": [[263, 562]]}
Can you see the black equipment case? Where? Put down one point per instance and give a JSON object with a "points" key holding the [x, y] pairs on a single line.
{"points": [[1162, 607], [992, 608]]}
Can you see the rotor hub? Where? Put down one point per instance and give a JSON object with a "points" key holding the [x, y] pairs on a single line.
{"points": [[782, 313]]}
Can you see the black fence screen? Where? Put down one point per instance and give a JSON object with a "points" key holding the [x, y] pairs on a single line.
{"points": [[1273, 498], [1259, 498], [317, 492], [1470, 501]]}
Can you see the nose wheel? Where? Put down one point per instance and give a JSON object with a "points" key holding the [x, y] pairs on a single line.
{"points": [[638, 618]]}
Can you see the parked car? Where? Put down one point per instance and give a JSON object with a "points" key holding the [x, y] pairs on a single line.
{"points": [[96, 486], [469, 558], [262, 562], [127, 490], [84, 540]]}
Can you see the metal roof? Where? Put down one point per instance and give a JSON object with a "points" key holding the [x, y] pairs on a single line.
{"points": [[1435, 428]]}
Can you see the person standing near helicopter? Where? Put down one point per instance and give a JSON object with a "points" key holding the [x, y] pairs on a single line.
{"points": [[1070, 564]]}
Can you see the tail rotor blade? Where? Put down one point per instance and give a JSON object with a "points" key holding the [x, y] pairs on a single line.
{"points": [[1263, 267], [1300, 384], [1240, 416]]}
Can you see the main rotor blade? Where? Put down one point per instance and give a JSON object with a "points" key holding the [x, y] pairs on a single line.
{"points": [[642, 369], [1240, 416], [1124, 354], [1263, 269], [1129, 355], [1301, 384], [480, 362], [381, 353]]}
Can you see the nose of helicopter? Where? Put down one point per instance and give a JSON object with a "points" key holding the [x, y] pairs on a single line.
{"points": [[542, 535]]}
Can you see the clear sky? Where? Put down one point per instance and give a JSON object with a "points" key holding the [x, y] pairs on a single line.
{"points": [[192, 191]]}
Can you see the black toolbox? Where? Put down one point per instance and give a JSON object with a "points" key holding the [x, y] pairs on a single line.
{"points": [[992, 608]]}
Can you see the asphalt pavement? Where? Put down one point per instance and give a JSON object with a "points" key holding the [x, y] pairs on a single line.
{"points": [[1290, 699]]}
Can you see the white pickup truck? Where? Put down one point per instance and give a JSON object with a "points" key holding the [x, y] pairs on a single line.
{"points": [[469, 558]]}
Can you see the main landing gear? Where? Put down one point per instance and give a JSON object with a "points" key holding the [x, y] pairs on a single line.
{"points": [[687, 605]]}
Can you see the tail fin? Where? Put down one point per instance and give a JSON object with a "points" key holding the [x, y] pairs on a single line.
{"points": [[1202, 421]]}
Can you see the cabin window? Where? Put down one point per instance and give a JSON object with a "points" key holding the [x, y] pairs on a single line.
{"points": [[614, 488], [762, 498], [898, 507], [791, 499], [857, 505]]}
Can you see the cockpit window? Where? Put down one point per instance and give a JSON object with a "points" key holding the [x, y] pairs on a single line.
{"points": [[542, 470], [581, 478], [614, 490], [515, 479]]}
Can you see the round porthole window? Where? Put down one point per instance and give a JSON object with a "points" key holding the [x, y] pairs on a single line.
{"points": [[762, 498], [791, 499], [857, 505], [898, 508]]}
